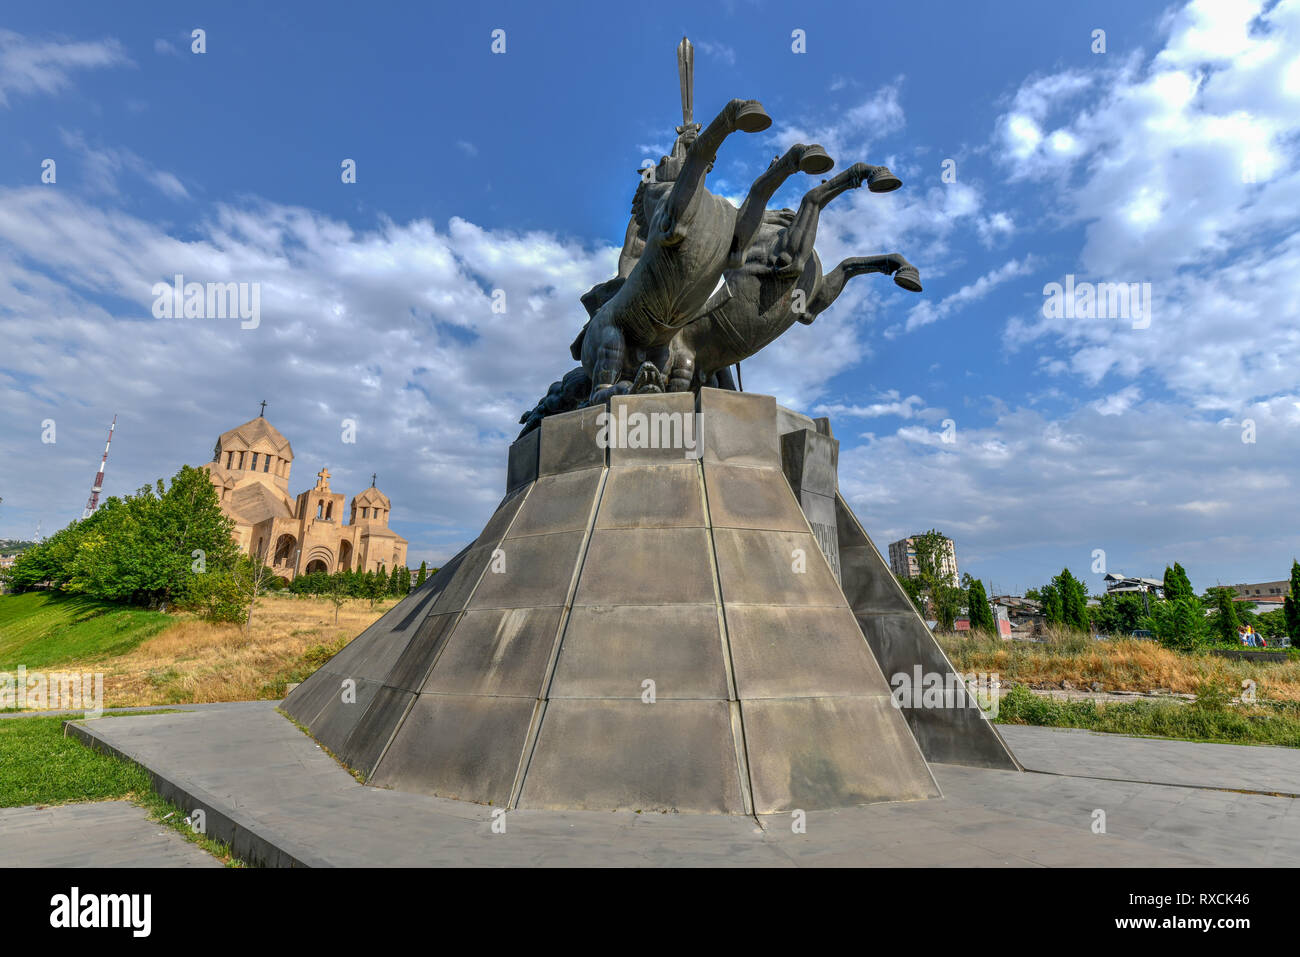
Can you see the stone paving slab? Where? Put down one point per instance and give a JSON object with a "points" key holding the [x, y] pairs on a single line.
{"points": [[102, 834], [1117, 757], [220, 706], [287, 802]]}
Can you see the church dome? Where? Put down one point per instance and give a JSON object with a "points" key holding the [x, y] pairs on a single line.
{"points": [[254, 448], [257, 432], [370, 507]]}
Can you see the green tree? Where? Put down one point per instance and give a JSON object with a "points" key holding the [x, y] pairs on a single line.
{"points": [[251, 579], [946, 601], [49, 563], [1074, 600], [940, 596], [400, 575], [1050, 597], [423, 574], [1291, 606], [1225, 622], [376, 586], [338, 592], [1118, 613], [930, 548], [1065, 601], [147, 549], [216, 597], [1177, 584], [1272, 625], [1178, 624], [187, 524], [977, 607], [912, 586]]}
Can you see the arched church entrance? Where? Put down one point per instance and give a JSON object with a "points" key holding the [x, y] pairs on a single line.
{"points": [[284, 548]]}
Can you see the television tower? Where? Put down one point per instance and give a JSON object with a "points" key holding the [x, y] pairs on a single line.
{"points": [[98, 487]]}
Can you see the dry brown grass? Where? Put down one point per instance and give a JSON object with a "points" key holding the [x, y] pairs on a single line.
{"points": [[194, 661], [1123, 665]]}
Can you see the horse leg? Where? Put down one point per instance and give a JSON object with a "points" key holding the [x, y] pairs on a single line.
{"points": [[609, 360], [795, 243], [833, 282], [796, 158], [746, 116], [724, 379], [681, 365]]}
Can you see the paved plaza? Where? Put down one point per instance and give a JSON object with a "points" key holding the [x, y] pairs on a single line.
{"points": [[280, 800], [101, 834]]}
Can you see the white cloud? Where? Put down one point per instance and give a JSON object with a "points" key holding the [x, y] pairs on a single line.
{"points": [[853, 131], [926, 311], [1158, 171], [392, 327], [718, 51], [104, 165], [994, 227], [1119, 402], [30, 66], [1029, 493], [887, 403]]}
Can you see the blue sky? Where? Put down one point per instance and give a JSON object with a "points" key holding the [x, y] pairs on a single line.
{"points": [[478, 171]]}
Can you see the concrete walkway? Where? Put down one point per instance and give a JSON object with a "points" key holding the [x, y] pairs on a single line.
{"points": [[103, 834], [126, 710], [279, 800], [1116, 757]]}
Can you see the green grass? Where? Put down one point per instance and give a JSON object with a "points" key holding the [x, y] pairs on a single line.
{"points": [[40, 629], [1209, 719], [40, 765]]}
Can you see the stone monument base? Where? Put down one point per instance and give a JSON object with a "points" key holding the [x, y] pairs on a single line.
{"points": [[671, 609]]}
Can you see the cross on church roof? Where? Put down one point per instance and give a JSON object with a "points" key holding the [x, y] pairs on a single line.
{"points": [[323, 477], [262, 414], [372, 479]]}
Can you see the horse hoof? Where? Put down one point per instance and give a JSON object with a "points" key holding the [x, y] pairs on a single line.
{"points": [[881, 180], [908, 278], [815, 160], [649, 380], [752, 118]]}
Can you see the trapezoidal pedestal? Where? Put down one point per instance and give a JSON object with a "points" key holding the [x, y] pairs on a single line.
{"points": [[667, 611]]}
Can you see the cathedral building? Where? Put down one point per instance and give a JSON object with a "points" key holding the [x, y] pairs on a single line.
{"points": [[250, 471]]}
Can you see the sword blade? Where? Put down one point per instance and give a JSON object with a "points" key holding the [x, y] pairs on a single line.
{"points": [[686, 77]]}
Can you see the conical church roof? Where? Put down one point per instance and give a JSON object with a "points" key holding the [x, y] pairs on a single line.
{"points": [[253, 432]]}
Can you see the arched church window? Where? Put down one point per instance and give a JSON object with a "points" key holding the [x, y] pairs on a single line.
{"points": [[320, 508], [266, 464]]}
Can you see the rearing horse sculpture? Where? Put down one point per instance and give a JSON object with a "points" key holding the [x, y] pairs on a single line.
{"points": [[779, 283], [692, 236]]}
